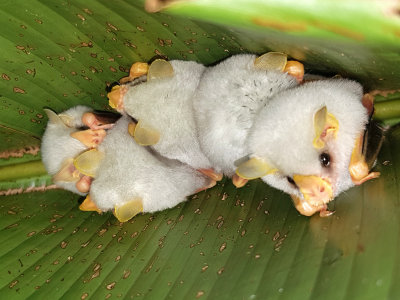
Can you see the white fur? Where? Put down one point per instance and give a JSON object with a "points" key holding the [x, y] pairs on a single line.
{"points": [[283, 132], [166, 105], [229, 97], [57, 144], [129, 171]]}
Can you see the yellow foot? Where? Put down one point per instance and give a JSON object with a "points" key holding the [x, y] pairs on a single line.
{"points": [[211, 173], [89, 205], [116, 97], [90, 138], [278, 61], [358, 167], [128, 210], [138, 69], [239, 181], [295, 69]]}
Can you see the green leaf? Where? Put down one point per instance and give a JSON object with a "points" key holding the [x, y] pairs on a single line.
{"points": [[225, 243]]}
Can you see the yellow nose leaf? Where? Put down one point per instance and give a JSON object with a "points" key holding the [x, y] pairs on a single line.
{"points": [[316, 190], [88, 162], [271, 61], [254, 168], [160, 69], [144, 135], [128, 210]]}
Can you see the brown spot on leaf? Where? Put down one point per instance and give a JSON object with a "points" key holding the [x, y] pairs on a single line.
{"points": [[38, 21], [5, 76], [110, 286], [140, 28], [222, 247], [343, 31], [84, 296], [18, 90], [62, 58], [279, 25], [203, 269], [126, 274], [63, 244], [31, 233], [113, 27], [23, 26], [12, 284], [220, 271], [113, 69], [20, 47], [88, 11], [81, 17], [199, 294]]}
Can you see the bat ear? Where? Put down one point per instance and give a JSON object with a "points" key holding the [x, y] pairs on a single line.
{"points": [[271, 61], [127, 211], [88, 162], [160, 68], [67, 172], [54, 118], [253, 168], [325, 126], [144, 134]]}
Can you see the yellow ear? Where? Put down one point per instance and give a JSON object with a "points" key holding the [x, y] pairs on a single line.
{"points": [[325, 126], [127, 211], [53, 117], [88, 162], [271, 61], [67, 172], [143, 134], [254, 168], [159, 68]]}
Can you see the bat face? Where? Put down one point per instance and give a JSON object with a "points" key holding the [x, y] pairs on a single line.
{"points": [[305, 136]]}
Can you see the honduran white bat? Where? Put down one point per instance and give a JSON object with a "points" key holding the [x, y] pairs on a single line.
{"points": [[121, 175], [162, 105], [132, 179], [303, 140]]}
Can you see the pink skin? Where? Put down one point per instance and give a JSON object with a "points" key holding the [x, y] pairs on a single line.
{"points": [[95, 122], [83, 184]]}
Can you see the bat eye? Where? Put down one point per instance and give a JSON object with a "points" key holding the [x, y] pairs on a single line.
{"points": [[325, 159], [291, 181]]}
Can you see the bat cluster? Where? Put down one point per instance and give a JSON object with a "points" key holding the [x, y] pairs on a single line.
{"points": [[182, 126]]}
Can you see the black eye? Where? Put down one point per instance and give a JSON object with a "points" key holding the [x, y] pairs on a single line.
{"points": [[290, 180], [325, 159]]}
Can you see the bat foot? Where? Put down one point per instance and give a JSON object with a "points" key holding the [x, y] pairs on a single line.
{"points": [[211, 174], [116, 97], [90, 138], [239, 181], [137, 70]]}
